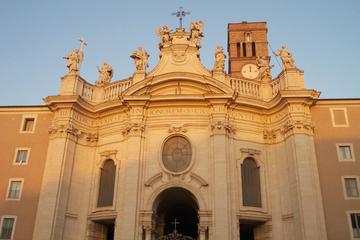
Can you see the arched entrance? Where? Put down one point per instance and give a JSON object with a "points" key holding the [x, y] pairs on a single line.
{"points": [[175, 209]]}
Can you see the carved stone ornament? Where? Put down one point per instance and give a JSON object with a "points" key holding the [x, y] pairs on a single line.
{"points": [[250, 151], [297, 125], [177, 128], [222, 126], [269, 135], [63, 129], [264, 68], [133, 128]]}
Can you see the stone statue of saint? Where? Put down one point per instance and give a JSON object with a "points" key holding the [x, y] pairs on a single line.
{"points": [[105, 75], [196, 32], [220, 57], [140, 57], [286, 57], [264, 68], [164, 34], [74, 60]]}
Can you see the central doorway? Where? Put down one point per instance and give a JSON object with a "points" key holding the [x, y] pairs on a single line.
{"points": [[175, 208]]}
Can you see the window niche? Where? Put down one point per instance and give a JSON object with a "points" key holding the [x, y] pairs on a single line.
{"points": [[176, 154], [251, 188], [106, 184]]}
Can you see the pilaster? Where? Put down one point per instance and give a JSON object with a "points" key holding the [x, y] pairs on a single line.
{"points": [[127, 221], [56, 182]]}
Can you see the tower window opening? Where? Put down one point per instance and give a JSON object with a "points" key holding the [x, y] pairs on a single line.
{"points": [[253, 47], [244, 49], [238, 49]]}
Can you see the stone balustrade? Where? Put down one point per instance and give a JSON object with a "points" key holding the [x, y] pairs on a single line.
{"points": [[114, 90], [246, 87]]}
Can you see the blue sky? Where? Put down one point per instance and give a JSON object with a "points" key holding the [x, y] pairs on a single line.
{"points": [[323, 36]]}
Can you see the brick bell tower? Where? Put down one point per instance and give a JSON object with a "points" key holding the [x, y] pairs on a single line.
{"points": [[246, 41]]}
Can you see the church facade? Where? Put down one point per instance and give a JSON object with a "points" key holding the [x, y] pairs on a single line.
{"points": [[182, 151]]}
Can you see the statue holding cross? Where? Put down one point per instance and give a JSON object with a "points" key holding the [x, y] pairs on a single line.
{"points": [[75, 58]]}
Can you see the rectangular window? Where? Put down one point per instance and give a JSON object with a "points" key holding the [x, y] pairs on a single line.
{"points": [[14, 190], [345, 152], [238, 49], [355, 224], [7, 228], [22, 155], [351, 187], [28, 124], [339, 117]]}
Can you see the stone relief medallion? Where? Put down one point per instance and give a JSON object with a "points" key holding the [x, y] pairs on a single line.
{"points": [[176, 155]]}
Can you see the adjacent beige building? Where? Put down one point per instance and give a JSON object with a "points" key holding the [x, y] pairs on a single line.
{"points": [[182, 151]]}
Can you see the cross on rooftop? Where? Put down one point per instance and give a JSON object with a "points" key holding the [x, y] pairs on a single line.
{"points": [[180, 14]]}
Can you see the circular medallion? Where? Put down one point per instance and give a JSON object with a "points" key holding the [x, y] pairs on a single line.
{"points": [[250, 71], [176, 155]]}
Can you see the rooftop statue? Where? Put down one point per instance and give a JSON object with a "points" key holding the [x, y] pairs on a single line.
{"points": [[75, 58], [105, 75], [286, 57], [196, 32], [220, 57], [164, 34], [264, 68], [140, 57]]}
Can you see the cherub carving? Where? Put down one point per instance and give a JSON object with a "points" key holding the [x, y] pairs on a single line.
{"points": [[105, 74], [164, 34], [264, 68], [196, 32], [140, 57], [220, 57], [286, 57]]}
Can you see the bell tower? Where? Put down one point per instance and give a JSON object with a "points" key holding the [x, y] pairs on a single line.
{"points": [[246, 42]]}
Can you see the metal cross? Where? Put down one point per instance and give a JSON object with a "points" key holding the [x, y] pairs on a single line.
{"points": [[82, 43], [180, 14], [175, 223]]}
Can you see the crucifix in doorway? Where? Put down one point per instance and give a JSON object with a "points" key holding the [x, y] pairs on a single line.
{"points": [[175, 222]]}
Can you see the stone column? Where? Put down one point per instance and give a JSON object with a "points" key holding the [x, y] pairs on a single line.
{"points": [[221, 224], [53, 200], [128, 218]]}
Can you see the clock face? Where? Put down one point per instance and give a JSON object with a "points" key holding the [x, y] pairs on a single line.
{"points": [[250, 71]]}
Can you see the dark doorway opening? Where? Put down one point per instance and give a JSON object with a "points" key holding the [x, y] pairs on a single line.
{"points": [[109, 226], [246, 232], [176, 207]]}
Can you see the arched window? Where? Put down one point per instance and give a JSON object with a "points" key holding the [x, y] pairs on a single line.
{"points": [[251, 190], [107, 184]]}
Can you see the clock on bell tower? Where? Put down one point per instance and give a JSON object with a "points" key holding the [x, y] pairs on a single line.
{"points": [[246, 41]]}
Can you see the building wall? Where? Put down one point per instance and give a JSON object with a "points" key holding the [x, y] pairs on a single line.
{"points": [[11, 138], [331, 170]]}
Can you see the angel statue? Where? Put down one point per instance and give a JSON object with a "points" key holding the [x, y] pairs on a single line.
{"points": [[140, 57], [196, 32], [105, 75], [73, 60], [220, 57], [264, 68], [164, 34], [286, 57]]}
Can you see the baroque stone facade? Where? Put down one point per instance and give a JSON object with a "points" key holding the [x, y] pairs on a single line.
{"points": [[230, 156]]}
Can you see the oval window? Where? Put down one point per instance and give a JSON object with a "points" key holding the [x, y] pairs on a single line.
{"points": [[176, 154]]}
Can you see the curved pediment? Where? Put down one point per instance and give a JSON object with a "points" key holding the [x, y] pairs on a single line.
{"points": [[179, 84]]}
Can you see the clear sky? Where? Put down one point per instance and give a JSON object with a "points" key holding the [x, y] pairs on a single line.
{"points": [[324, 37]]}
